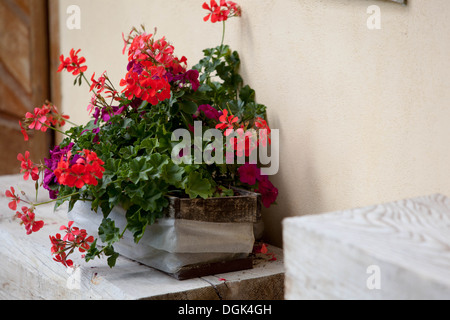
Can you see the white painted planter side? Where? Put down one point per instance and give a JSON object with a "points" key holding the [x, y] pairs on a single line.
{"points": [[170, 244]]}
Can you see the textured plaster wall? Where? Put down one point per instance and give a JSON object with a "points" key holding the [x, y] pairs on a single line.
{"points": [[364, 115]]}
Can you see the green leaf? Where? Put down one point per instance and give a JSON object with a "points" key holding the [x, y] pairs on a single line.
{"points": [[173, 174], [189, 107], [247, 94], [156, 163], [137, 223], [112, 256], [198, 186], [92, 252], [108, 232], [127, 152], [139, 169], [149, 144], [143, 105]]}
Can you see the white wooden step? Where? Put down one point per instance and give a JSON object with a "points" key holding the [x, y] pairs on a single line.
{"points": [[27, 270], [398, 250]]}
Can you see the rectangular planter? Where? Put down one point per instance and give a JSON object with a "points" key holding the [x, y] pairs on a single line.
{"points": [[197, 237]]}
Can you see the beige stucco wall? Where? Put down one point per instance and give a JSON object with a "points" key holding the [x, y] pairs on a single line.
{"points": [[364, 115]]}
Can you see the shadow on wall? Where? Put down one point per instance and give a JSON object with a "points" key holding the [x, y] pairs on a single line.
{"points": [[296, 197]]}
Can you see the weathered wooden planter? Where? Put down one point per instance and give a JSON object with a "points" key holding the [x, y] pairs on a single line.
{"points": [[197, 237]]}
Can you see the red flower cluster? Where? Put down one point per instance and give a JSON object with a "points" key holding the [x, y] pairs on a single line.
{"points": [[151, 63], [226, 9], [43, 118], [148, 86], [27, 215], [247, 140], [87, 168], [74, 238], [28, 168], [54, 118], [264, 131], [28, 220], [100, 85], [72, 63]]}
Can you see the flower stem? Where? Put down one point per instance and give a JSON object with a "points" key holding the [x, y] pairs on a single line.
{"points": [[223, 34], [70, 122], [53, 128], [85, 79], [51, 201]]}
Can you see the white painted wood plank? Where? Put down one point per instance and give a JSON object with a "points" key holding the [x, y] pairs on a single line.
{"points": [[27, 270], [327, 255]]}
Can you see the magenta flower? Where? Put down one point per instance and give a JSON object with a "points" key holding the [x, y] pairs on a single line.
{"points": [[249, 173], [210, 112], [268, 191]]}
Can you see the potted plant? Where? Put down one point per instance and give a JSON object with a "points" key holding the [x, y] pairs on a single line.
{"points": [[159, 153]]}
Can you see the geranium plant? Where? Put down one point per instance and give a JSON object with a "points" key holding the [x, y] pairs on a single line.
{"points": [[126, 155]]}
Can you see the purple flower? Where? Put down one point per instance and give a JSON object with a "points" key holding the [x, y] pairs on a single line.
{"points": [[105, 113], [136, 66], [51, 164], [190, 76]]}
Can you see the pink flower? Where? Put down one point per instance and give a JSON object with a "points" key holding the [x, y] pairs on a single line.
{"points": [[28, 167], [38, 120]]}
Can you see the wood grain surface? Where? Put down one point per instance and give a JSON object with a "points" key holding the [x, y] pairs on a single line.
{"points": [[245, 206], [328, 255]]}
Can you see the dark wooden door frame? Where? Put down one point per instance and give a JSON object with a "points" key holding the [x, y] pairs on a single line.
{"points": [[25, 77], [54, 51]]}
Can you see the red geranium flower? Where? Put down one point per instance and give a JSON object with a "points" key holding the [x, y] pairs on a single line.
{"points": [[72, 63], [28, 219], [244, 143], [39, 120], [24, 132], [264, 131], [28, 167], [86, 170], [226, 9], [15, 199], [98, 84], [74, 238], [53, 116], [227, 121]]}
